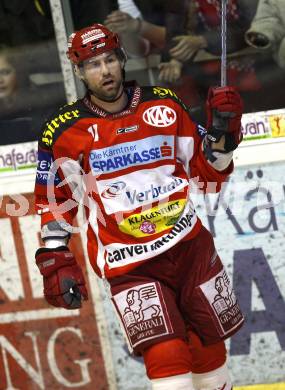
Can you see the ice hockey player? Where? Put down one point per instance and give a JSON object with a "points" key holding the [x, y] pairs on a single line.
{"points": [[133, 150]]}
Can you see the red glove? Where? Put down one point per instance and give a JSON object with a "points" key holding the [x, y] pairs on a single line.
{"points": [[224, 110], [64, 284]]}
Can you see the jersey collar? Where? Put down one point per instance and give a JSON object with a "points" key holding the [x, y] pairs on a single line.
{"points": [[134, 93]]}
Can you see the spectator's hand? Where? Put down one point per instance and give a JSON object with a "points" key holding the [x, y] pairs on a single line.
{"points": [[64, 284], [170, 71], [187, 46], [121, 22], [257, 40]]}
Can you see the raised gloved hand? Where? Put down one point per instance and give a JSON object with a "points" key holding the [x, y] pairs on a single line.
{"points": [[224, 110], [64, 284]]}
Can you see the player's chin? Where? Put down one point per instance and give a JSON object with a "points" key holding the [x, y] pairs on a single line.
{"points": [[111, 93]]}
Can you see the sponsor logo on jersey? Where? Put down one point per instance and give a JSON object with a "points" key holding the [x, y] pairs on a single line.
{"points": [[222, 300], [134, 196], [154, 220], [129, 129], [133, 253], [148, 227], [124, 155], [159, 116], [136, 97], [142, 314], [45, 161], [201, 131], [114, 190], [140, 188], [93, 130], [126, 252], [152, 192], [162, 92], [51, 126]]}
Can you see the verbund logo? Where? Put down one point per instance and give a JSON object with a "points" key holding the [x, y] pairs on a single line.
{"points": [[159, 116], [139, 188], [151, 190], [114, 190]]}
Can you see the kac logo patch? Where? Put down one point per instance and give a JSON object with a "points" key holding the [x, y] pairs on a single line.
{"points": [[159, 116]]}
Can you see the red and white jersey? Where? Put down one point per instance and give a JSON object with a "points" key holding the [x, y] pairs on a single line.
{"points": [[134, 168]]}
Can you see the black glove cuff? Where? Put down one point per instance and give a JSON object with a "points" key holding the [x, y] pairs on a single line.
{"points": [[214, 136], [209, 145], [230, 143]]}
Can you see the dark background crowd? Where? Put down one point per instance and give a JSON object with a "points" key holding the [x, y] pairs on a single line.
{"points": [[183, 36]]}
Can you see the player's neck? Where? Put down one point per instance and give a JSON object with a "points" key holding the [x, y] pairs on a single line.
{"points": [[112, 107]]}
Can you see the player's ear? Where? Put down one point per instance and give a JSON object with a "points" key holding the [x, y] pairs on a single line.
{"points": [[78, 72]]}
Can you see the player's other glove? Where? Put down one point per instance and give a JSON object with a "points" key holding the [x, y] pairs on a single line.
{"points": [[224, 110], [64, 284]]}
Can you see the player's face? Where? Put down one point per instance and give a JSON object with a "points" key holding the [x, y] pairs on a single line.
{"points": [[103, 75], [8, 79]]}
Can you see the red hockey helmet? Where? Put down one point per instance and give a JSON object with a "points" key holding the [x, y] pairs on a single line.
{"points": [[92, 41]]}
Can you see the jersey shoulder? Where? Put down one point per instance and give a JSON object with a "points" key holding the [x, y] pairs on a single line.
{"points": [[61, 120], [161, 93]]}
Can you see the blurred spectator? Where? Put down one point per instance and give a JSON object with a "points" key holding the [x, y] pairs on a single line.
{"points": [[194, 36], [154, 23], [148, 27], [203, 31], [182, 29], [15, 116], [267, 30], [8, 81], [85, 12], [129, 28], [23, 105], [24, 21]]}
